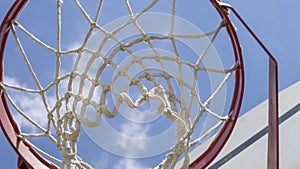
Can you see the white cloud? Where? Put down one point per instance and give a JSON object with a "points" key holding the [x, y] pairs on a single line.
{"points": [[128, 164], [74, 45], [132, 130], [31, 104]]}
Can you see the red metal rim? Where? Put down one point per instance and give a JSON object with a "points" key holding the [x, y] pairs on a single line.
{"points": [[221, 138], [34, 160], [10, 128]]}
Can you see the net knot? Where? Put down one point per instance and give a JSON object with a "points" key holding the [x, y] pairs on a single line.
{"points": [[132, 19], [47, 133], [68, 95], [178, 60], [98, 55], [58, 104], [69, 115], [59, 122], [86, 101], [107, 61], [93, 24], [106, 88], [172, 97], [83, 76], [166, 75], [146, 96], [79, 50], [202, 107], [193, 92], [196, 67], [179, 149], [109, 35], [223, 23], [180, 82], [157, 58], [73, 136], [123, 47], [19, 136], [148, 76], [134, 81], [50, 116], [56, 81], [159, 90], [168, 113], [73, 75], [145, 38], [95, 82], [66, 154]]}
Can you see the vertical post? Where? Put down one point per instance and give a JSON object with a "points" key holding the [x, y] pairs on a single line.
{"points": [[273, 128]]}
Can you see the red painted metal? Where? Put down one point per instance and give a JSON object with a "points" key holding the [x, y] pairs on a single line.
{"points": [[216, 146], [273, 129], [273, 121], [273, 126], [28, 157]]}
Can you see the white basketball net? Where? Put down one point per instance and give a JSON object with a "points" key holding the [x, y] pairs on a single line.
{"points": [[86, 91]]}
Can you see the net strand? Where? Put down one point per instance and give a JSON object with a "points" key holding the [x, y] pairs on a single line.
{"points": [[100, 4], [37, 82], [30, 35]]}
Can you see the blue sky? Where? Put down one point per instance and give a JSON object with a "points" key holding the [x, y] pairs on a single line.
{"points": [[274, 22]]}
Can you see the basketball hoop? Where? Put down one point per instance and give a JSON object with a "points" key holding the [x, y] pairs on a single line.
{"points": [[117, 72]]}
